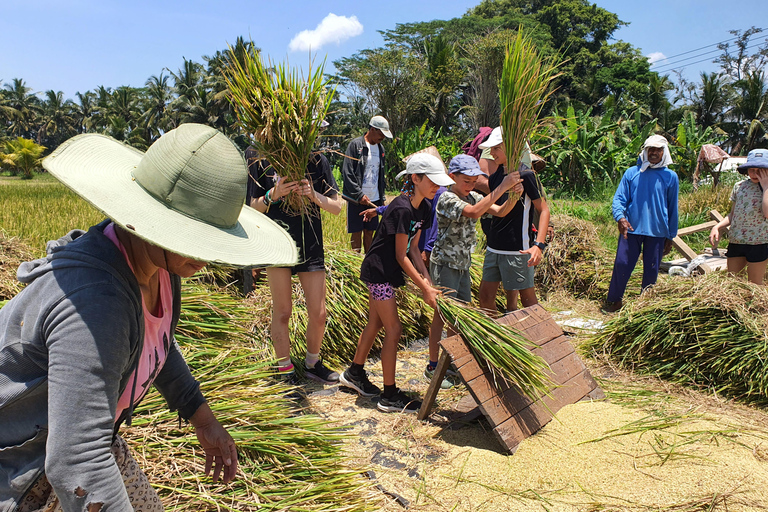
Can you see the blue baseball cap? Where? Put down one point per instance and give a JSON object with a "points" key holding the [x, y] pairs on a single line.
{"points": [[465, 164], [757, 158]]}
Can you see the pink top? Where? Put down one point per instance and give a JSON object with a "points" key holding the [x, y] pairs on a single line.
{"points": [[157, 335]]}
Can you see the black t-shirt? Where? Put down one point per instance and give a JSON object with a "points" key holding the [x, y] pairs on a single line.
{"points": [[306, 230], [513, 231], [400, 217]]}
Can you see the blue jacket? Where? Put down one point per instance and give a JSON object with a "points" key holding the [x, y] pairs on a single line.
{"points": [[648, 200], [68, 344]]}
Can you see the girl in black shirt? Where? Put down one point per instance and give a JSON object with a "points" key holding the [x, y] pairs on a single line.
{"points": [[393, 253]]}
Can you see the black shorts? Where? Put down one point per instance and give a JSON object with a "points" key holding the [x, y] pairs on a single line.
{"points": [[355, 223], [753, 253]]}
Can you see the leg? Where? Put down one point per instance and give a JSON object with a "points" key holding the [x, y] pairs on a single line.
{"points": [[387, 313], [736, 264], [512, 300], [756, 271], [372, 328], [626, 258], [487, 295], [280, 287], [313, 284], [653, 252], [435, 334], [528, 297], [367, 239], [356, 240]]}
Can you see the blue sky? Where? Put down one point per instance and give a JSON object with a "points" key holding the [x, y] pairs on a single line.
{"points": [[77, 45]]}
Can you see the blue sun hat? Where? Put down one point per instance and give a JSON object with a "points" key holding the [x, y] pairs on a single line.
{"points": [[756, 159], [465, 164]]}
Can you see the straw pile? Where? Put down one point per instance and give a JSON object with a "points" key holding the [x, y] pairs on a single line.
{"points": [[287, 461], [709, 332], [282, 111], [575, 260], [505, 350], [12, 253], [347, 306]]}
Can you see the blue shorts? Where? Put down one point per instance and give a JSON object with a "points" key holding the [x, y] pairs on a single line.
{"points": [[355, 222]]}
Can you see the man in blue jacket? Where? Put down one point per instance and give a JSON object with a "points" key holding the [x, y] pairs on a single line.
{"points": [[645, 208]]}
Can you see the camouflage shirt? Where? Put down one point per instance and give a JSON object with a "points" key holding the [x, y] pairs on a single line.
{"points": [[456, 236]]}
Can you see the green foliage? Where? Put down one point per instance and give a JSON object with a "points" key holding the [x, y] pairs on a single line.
{"points": [[687, 144], [21, 155], [416, 139]]}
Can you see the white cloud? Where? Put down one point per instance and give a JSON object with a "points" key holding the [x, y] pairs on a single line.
{"points": [[333, 29], [655, 57]]}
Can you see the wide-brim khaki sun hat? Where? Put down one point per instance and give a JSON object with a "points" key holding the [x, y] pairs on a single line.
{"points": [[186, 194]]}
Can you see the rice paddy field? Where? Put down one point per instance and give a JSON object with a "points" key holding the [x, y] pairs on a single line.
{"points": [[683, 428]]}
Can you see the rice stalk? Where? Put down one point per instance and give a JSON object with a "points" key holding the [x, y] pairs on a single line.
{"points": [[505, 350], [524, 88], [287, 460], [709, 331], [282, 111]]}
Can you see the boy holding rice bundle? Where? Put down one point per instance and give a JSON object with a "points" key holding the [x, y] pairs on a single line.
{"points": [[393, 253], [748, 219], [458, 210], [266, 193]]}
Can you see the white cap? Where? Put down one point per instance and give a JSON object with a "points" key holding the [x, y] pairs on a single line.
{"points": [[424, 163], [382, 124], [494, 139]]}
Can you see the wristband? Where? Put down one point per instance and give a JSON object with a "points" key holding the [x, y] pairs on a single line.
{"points": [[540, 245]]}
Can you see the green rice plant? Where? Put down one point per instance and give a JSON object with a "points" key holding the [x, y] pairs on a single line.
{"points": [[287, 460], [282, 111], [525, 86], [41, 210], [709, 331], [506, 351]]}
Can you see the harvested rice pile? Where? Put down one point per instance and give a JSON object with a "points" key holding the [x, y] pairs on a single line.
{"points": [[347, 307], [12, 252], [575, 260], [708, 331]]}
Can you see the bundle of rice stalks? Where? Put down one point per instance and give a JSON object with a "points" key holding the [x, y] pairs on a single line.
{"points": [[12, 253], [286, 461], [525, 86], [506, 351], [282, 111], [709, 331], [575, 260], [347, 306]]}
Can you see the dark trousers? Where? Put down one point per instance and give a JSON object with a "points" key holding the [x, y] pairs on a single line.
{"points": [[626, 258]]}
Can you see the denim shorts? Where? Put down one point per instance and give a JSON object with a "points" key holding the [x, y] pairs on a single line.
{"points": [[511, 269], [457, 281]]}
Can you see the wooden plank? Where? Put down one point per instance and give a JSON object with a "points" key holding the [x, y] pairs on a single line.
{"points": [[715, 215], [706, 226], [495, 410], [434, 385], [681, 246], [555, 350]]}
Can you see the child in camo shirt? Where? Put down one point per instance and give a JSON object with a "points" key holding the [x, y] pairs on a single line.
{"points": [[458, 209]]}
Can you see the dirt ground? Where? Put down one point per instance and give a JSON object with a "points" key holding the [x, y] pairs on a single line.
{"points": [[649, 446]]}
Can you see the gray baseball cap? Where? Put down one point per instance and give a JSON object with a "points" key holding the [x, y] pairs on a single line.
{"points": [[382, 124]]}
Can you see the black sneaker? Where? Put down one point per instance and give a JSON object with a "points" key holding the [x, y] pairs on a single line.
{"points": [[322, 373], [359, 383], [399, 402]]}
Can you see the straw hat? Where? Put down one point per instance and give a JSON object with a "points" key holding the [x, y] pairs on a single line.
{"points": [[185, 194]]}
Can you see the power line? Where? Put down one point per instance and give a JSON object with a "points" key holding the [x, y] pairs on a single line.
{"points": [[701, 48], [665, 63], [674, 67]]}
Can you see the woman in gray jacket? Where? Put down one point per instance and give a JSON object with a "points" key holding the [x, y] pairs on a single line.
{"points": [[93, 329]]}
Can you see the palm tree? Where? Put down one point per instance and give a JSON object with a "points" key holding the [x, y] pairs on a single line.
{"points": [[57, 120], [23, 155], [750, 110], [23, 107], [158, 95], [84, 111], [711, 100]]}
